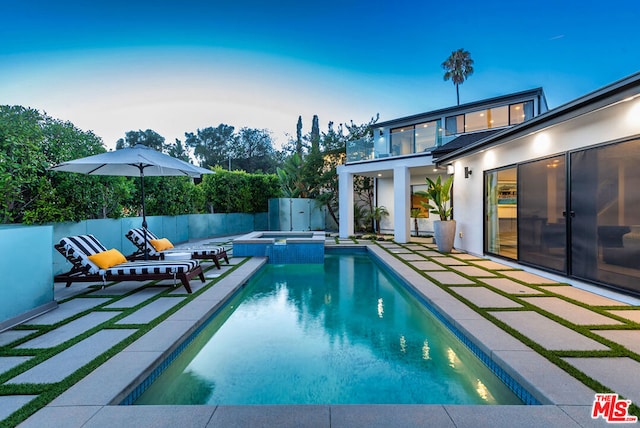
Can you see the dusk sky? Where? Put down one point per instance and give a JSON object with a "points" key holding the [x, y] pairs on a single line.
{"points": [[176, 66]]}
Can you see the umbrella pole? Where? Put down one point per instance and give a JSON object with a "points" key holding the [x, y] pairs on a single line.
{"points": [[144, 217]]}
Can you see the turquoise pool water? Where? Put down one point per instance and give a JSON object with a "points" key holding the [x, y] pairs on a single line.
{"points": [[345, 332]]}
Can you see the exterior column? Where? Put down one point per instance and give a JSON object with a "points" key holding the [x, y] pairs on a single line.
{"points": [[345, 190], [401, 204]]}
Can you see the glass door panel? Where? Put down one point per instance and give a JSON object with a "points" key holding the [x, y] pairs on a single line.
{"points": [[605, 200], [542, 228], [501, 216]]}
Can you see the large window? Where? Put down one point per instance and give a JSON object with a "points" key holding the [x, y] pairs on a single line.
{"points": [[486, 119], [496, 117], [416, 138]]}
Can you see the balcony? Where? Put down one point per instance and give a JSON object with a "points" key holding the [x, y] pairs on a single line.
{"points": [[397, 143]]}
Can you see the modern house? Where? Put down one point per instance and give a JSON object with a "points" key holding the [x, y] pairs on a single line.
{"points": [[402, 151], [559, 190]]}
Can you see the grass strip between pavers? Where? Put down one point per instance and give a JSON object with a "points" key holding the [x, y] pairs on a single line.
{"points": [[48, 392], [616, 350]]}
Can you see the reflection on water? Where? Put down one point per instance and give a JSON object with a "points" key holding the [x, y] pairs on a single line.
{"points": [[344, 332]]}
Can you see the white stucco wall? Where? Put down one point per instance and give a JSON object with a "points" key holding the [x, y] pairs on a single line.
{"points": [[615, 122]]}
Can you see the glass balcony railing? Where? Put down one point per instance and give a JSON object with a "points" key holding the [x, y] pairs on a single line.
{"points": [[400, 143]]}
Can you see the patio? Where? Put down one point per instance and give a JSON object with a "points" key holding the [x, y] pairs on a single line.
{"points": [[103, 341]]}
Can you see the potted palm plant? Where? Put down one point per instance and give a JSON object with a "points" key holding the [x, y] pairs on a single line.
{"points": [[439, 194]]}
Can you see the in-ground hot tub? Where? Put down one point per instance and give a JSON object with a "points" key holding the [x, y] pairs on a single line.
{"points": [[282, 247]]}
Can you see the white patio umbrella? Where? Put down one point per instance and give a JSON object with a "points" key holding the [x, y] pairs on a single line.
{"points": [[139, 160]]}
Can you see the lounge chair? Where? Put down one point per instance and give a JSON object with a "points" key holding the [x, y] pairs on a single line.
{"points": [[137, 237], [110, 265]]}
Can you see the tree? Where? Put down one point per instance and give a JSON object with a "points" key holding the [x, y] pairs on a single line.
{"points": [[253, 151], [30, 142], [212, 146], [458, 67], [149, 138], [178, 150], [299, 137], [315, 133], [377, 215]]}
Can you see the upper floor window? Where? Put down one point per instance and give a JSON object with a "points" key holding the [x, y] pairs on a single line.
{"points": [[496, 117], [415, 138]]}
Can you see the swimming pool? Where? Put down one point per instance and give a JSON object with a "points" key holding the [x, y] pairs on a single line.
{"points": [[341, 333]]}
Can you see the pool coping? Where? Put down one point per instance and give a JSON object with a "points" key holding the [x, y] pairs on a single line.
{"points": [[95, 399]]}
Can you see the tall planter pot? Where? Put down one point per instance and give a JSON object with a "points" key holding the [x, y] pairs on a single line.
{"points": [[444, 232]]}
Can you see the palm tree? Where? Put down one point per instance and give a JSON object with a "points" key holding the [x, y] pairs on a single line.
{"points": [[377, 215], [458, 67]]}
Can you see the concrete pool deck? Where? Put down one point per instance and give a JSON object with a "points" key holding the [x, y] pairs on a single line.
{"points": [[553, 316]]}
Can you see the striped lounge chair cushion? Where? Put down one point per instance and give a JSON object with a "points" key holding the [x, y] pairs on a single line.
{"points": [[137, 237], [206, 252], [81, 247], [141, 267]]}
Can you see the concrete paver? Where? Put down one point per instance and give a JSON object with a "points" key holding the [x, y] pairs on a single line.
{"points": [[473, 271], [427, 266], [509, 286], [412, 257], [447, 261], [468, 257], [69, 331], [620, 374], [120, 288], [383, 416], [68, 361], [630, 339], [7, 363], [631, 315], [527, 277], [67, 310], [448, 277], [583, 296], [520, 416], [271, 416], [136, 298], [570, 312], [548, 333], [485, 298], [489, 264], [11, 403], [6, 337], [153, 310]]}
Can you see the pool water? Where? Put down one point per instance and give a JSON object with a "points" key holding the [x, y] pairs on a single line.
{"points": [[345, 332]]}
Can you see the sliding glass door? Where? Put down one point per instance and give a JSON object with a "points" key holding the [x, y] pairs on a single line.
{"points": [[501, 213], [605, 204], [542, 228], [587, 227]]}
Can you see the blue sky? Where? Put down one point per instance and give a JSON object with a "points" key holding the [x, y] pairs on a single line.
{"points": [[176, 66]]}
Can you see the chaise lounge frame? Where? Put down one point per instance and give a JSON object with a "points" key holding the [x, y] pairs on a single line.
{"points": [[183, 270], [136, 236]]}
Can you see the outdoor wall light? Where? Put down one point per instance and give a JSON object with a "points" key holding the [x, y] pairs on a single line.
{"points": [[467, 172], [450, 169]]}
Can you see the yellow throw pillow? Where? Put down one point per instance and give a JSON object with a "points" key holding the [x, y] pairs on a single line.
{"points": [[161, 244], [107, 259]]}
